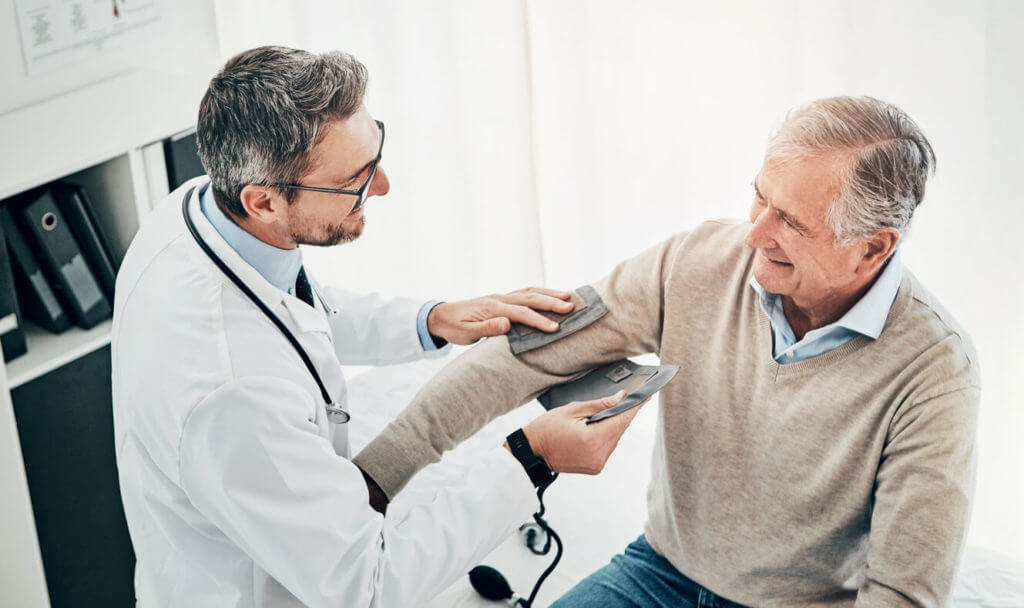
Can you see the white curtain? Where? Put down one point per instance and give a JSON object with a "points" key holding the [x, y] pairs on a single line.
{"points": [[541, 142], [450, 82]]}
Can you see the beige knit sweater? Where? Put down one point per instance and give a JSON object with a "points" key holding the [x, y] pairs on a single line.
{"points": [[843, 478]]}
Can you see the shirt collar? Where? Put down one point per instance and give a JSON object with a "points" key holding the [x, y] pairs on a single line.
{"points": [[868, 315], [280, 267]]}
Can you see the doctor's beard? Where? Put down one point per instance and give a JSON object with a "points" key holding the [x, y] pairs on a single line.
{"points": [[333, 234]]}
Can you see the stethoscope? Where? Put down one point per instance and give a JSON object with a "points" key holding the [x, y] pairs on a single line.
{"points": [[335, 413]]}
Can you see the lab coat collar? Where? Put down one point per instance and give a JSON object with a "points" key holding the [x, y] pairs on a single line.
{"points": [[279, 266], [305, 317]]}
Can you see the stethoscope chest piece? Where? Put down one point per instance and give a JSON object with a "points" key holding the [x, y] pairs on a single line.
{"points": [[337, 414]]}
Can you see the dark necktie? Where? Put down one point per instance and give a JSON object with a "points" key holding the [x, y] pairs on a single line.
{"points": [[302, 289]]}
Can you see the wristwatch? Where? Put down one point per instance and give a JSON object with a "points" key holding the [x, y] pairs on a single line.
{"points": [[537, 470]]}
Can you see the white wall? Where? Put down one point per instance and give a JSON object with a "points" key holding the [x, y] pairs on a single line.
{"points": [[450, 82], [186, 38]]}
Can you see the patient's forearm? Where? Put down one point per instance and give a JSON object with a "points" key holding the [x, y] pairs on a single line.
{"points": [[465, 395], [488, 380]]}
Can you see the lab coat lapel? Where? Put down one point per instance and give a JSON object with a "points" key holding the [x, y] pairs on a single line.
{"points": [[268, 294], [306, 317]]}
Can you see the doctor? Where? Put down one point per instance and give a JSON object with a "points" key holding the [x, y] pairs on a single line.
{"points": [[229, 399]]}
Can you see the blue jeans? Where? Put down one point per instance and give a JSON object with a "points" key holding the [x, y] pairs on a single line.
{"points": [[640, 578]]}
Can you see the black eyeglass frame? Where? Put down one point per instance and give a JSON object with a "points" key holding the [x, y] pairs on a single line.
{"points": [[361, 192]]}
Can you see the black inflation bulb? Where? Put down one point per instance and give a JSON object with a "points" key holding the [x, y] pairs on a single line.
{"points": [[490, 583]]}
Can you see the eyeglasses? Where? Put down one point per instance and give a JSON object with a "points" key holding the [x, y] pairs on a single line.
{"points": [[360, 194]]}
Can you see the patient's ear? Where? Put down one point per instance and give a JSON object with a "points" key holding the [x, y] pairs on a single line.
{"points": [[877, 249]]}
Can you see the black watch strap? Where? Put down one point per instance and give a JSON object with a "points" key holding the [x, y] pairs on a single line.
{"points": [[535, 466]]}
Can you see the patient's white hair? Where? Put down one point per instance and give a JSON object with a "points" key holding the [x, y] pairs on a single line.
{"points": [[890, 160]]}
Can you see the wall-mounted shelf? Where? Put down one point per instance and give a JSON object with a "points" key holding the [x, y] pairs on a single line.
{"points": [[120, 202], [47, 351]]}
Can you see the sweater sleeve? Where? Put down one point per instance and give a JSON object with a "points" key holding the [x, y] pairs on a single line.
{"points": [[923, 491], [488, 380]]}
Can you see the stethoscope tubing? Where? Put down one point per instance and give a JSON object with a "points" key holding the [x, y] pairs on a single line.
{"points": [[336, 413]]}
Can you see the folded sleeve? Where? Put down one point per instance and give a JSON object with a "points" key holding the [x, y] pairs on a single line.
{"points": [[922, 501], [488, 380], [253, 463], [375, 329]]}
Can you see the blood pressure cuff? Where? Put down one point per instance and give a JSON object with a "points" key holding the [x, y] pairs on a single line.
{"points": [[639, 382], [588, 308]]}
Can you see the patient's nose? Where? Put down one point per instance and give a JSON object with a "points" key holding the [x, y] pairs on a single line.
{"points": [[760, 234]]}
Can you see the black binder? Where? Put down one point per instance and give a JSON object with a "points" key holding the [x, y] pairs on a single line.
{"points": [[38, 302], [62, 261], [12, 334], [81, 218], [181, 153]]}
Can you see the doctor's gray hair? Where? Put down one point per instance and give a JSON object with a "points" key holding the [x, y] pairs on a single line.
{"points": [[265, 110], [889, 161]]}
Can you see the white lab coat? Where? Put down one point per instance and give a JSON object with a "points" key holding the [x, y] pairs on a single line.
{"points": [[237, 489]]}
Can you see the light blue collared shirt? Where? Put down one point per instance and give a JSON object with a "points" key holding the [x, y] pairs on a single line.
{"points": [[867, 318], [279, 266]]}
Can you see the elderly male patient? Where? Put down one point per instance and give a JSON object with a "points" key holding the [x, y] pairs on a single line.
{"points": [[817, 446]]}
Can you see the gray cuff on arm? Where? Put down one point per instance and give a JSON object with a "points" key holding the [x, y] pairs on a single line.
{"points": [[490, 380], [588, 307]]}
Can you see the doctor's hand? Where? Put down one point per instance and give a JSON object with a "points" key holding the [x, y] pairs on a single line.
{"points": [[564, 440], [467, 321]]}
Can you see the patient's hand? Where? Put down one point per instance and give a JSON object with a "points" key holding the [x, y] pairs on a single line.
{"points": [[568, 444], [467, 321], [378, 499]]}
